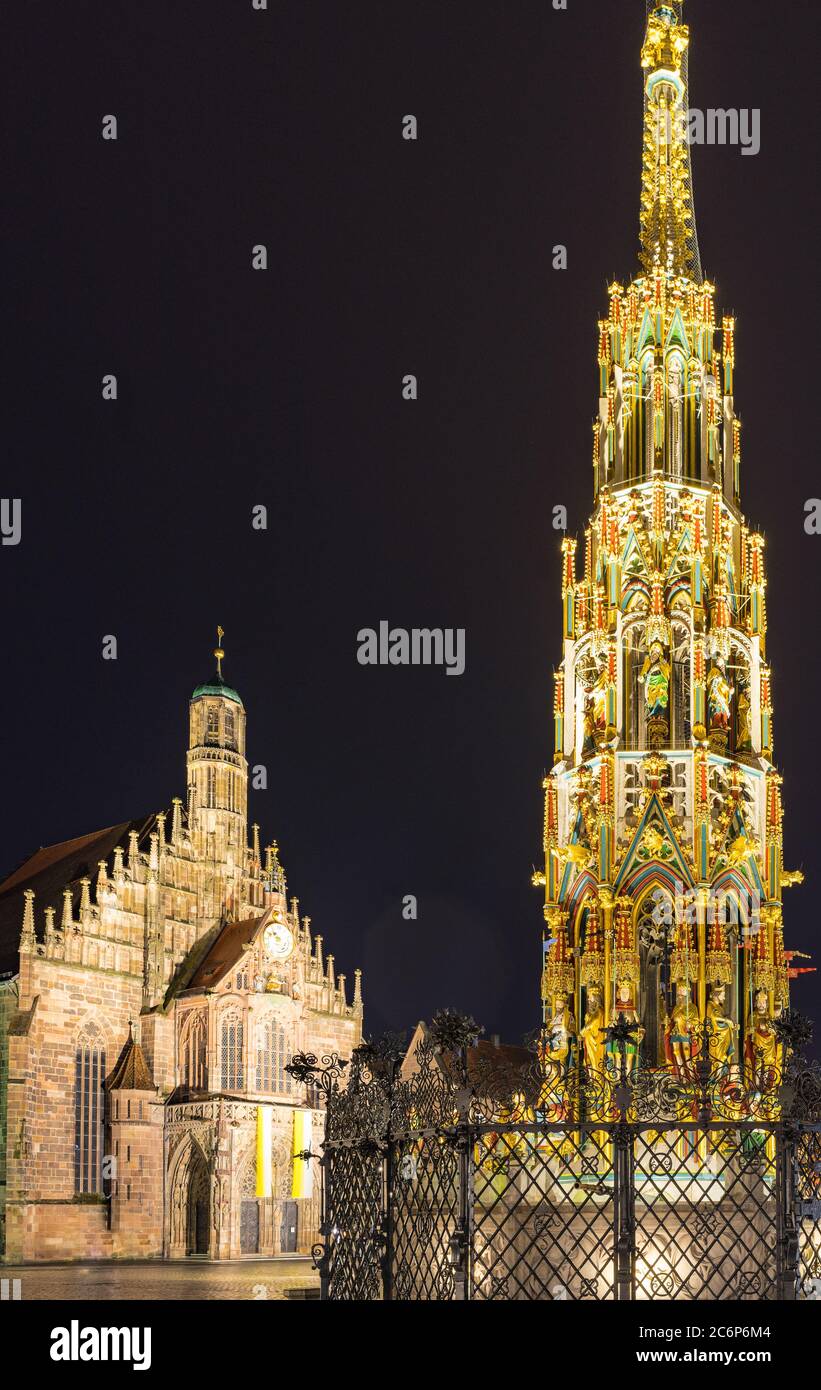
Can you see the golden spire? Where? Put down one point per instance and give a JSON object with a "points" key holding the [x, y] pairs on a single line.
{"points": [[668, 235], [218, 652]]}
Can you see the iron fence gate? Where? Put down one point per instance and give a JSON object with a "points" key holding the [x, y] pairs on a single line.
{"points": [[452, 1176]]}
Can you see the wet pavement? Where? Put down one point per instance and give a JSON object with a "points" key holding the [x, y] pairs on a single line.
{"points": [[166, 1279]]}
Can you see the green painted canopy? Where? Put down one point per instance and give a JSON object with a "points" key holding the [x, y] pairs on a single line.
{"points": [[216, 686]]}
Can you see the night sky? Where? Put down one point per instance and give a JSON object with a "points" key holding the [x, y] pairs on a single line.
{"points": [[283, 388]]}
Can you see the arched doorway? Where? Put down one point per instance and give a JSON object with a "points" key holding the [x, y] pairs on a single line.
{"points": [[198, 1208], [189, 1187]]}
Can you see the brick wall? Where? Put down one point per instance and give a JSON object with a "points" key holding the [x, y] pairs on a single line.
{"points": [[45, 1220], [136, 1127]]}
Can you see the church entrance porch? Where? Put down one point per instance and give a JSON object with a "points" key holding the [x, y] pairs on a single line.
{"points": [[190, 1204]]}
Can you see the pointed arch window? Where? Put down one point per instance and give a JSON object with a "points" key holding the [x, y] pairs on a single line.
{"points": [[649, 414], [272, 1058], [655, 934], [230, 729], [232, 1039], [675, 431], [194, 1054], [89, 1110], [212, 725]]}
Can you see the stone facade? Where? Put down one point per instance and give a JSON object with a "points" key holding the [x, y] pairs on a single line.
{"points": [[147, 1011]]}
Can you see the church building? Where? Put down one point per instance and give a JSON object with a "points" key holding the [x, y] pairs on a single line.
{"points": [[155, 980]]}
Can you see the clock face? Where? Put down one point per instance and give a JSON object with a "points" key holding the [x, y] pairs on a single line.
{"points": [[278, 941]]}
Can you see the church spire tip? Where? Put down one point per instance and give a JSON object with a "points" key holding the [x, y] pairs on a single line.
{"points": [[668, 233]]}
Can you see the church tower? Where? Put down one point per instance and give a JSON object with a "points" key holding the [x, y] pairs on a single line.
{"points": [[218, 790], [663, 811]]}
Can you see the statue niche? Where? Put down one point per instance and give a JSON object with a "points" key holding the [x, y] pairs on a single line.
{"points": [[591, 1035], [654, 676], [655, 932], [682, 1035]]}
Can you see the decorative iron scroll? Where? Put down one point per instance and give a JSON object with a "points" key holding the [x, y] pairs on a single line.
{"points": [[458, 1173]]}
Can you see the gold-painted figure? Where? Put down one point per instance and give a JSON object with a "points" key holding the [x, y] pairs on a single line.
{"points": [[762, 1047], [655, 677], [682, 1034], [721, 1028], [591, 1035]]}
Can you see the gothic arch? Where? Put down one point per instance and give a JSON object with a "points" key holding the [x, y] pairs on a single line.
{"points": [[190, 1200], [654, 926], [90, 1061], [585, 884], [193, 1050], [643, 878], [731, 888], [95, 1028]]}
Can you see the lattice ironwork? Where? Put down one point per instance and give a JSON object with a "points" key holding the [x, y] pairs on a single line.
{"points": [[705, 1211], [543, 1215], [424, 1214], [454, 1175]]}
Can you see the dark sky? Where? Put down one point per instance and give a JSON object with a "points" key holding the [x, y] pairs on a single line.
{"points": [[284, 388]]}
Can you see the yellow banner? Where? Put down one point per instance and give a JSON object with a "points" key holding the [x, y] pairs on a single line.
{"points": [[303, 1173], [264, 1134]]}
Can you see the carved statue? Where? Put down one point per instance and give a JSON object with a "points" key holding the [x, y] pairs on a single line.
{"points": [[625, 1005], [561, 1033], [599, 698], [719, 694], [722, 1028], [743, 718], [761, 1044], [664, 44], [588, 729], [591, 1035], [655, 677], [681, 1038]]}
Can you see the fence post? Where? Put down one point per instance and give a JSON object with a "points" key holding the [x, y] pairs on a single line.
{"points": [[461, 1241], [799, 1101], [320, 1252], [393, 1063], [622, 1033], [309, 1070], [624, 1211], [788, 1247]]}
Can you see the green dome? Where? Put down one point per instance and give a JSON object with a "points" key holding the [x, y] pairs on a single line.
{"points": [[216, 686]]}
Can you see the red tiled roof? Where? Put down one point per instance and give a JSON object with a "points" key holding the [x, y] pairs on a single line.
{"points": [[51, 869], [224, 953]]}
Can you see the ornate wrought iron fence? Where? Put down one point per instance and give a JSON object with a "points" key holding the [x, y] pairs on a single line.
{"points": [[453, 1176]]}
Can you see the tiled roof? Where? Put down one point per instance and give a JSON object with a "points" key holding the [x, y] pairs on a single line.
{"points": [[225, 951], [131, 1069], [51, 869]]}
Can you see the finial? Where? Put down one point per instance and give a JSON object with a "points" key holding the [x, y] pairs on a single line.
{"points": [[669, 245], [27, 936], [218, 652]]}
